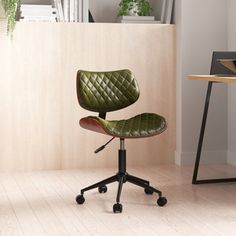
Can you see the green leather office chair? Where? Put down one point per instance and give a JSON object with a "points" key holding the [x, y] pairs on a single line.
{"points": [[104, 92]]}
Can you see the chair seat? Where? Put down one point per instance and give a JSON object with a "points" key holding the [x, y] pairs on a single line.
{"points": [[139, 126]]}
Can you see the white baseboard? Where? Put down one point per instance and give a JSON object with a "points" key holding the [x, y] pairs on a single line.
{"points": [[178, 158], [207, 157], [231, 158]]}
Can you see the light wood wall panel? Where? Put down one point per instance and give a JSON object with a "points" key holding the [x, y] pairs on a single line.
{"points": [[39, 113]]}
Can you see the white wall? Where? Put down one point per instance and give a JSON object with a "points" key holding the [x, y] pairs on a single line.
{"points": [[232, 88], [104, 10], [201, 29]]}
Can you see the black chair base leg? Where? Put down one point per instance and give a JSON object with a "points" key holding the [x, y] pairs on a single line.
{"points": [[104, 182], [117, 207], [144, 184], [121, 181], [138, 179], [161, 201]]}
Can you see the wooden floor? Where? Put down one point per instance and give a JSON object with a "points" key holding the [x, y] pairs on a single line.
{"points": [[42, 203]]}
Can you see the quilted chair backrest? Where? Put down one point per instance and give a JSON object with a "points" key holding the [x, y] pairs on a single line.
{"points": [[106, 91]]}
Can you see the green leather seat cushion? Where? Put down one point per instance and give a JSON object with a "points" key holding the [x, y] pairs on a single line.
{"points": [[142, 125]]}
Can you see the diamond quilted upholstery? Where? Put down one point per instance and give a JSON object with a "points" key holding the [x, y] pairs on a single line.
{"points": [[106, 91], [143, 125]]}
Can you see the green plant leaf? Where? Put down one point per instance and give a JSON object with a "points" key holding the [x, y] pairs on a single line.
{"points": [[126, 7], [10, 8]]}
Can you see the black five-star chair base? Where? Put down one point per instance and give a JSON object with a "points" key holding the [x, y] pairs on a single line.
{"points": [[122, 176]]}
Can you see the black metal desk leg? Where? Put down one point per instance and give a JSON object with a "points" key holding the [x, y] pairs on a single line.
{"points": [[199, 149], [204, 118]]}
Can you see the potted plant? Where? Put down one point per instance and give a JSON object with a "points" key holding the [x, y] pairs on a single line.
{"points": [[134, 8], [10, 8]]}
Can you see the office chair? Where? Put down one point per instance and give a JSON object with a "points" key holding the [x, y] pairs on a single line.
{"points": [[104, 92]]}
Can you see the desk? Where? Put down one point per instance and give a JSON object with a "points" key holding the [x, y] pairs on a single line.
{"points": [[211, 79]]}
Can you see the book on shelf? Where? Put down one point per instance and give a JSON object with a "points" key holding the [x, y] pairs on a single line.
{"points": [[163, 11], [33, 9], [34, 12], [39, 18], [65, 6], [79, 10], [76, 10], [85, 11], [75, 15], [58, 6], [71, 10], [169, 11]]}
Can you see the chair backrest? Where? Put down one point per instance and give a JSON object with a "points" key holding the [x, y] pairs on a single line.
{"points": [[216, 67], [106, 91]]}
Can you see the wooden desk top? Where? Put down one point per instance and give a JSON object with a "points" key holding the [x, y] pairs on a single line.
{"points": [[213, 78]]}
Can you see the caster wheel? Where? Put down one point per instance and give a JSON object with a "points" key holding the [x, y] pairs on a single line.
{"points": [[102, 189], [161, 201], [80, 199], [117, 208], [148, 191]]}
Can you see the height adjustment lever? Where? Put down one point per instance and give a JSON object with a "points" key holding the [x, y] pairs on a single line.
{"points": [[103, 146]]}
